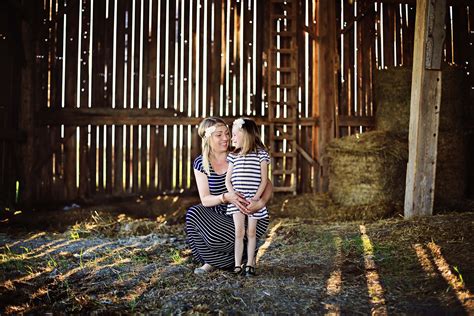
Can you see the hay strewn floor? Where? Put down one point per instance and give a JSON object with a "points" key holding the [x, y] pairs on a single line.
{"points": [[111, 262]]}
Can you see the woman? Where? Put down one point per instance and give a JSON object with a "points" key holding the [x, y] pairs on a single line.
{"points": [[210, 231]]}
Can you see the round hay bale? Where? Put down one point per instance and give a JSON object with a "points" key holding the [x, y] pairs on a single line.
{"points": [[392, 93], [451, 164], [368, 168]]}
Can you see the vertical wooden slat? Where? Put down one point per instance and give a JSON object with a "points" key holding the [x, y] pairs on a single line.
{"points": [[135, 90], [152, 77], [447, 43], [144, 88], [260, 24], [389, 30], [327, 87], [398, 34], [128, 87], [108, 43], [408, 34], [212, 63], [161, 159], [71, 93], [84, 98], [367, 45], [119, 96], [98, 85]]}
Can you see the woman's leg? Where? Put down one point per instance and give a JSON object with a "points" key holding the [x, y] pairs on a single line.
{"points": [[251, 241], [239, 223], [210, 236]]}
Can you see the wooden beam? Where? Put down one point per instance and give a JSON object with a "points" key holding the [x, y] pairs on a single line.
{"points": [[327, 84], [424, 107], [108, 116]]}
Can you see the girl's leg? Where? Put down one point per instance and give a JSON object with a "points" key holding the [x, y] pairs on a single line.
{"points": [[251, 241], [239, 222]]}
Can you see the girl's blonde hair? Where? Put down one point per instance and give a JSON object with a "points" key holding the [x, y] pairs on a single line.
{"points": [[206, 148], [252, 141]]}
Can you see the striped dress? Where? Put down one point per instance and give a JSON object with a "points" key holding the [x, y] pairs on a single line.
{"points": [[210, 231], [246, 177]]}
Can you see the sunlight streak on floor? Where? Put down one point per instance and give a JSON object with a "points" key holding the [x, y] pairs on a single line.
{"points": [[374, 287], [267, 243], [424, 260], [463, 294], [333, 285]]}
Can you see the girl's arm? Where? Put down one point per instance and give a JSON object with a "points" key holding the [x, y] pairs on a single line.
{"points": [[228, 176], [263, 182]]}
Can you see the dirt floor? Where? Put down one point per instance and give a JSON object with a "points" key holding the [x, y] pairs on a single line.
{"points": [[132, 257]]}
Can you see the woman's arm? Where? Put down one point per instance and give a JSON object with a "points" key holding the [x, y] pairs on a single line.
{"points": [[208, 200]]}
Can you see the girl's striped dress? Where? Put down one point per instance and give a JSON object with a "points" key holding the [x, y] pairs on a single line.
{"points": [[210, 232], [246, 177]]}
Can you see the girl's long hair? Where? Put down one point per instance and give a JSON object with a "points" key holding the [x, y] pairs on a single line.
{"points": [[252, 141], [206, 148]]}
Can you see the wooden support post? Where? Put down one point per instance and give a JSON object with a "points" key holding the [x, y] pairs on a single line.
{"points": [[327, 85], [424, 107]]}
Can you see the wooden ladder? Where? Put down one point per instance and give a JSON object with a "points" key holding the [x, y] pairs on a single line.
{"points": [[282, 93]]}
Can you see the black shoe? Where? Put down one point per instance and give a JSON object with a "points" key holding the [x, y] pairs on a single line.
{"points": [[238, 270], [249, 271]]}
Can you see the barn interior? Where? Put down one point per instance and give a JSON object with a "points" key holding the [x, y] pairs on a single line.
{"points": [[367, 110]]}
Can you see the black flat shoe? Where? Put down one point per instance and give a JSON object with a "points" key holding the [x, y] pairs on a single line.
{"points": [[249, 271], [238, 270]]}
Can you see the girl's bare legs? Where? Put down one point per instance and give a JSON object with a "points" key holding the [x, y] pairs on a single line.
{"points": [[239, 223], [251, 241]]}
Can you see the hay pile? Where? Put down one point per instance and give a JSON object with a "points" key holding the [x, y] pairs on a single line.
{"points": [[451, 177], [392, 89], [392, 92], [368, 168]]}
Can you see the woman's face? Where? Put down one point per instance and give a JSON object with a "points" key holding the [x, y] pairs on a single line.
{"points": [[219, 141]]}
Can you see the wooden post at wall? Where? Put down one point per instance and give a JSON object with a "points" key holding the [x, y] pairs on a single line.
{"points": [[26, 121], [327, 84], [424, 107]]}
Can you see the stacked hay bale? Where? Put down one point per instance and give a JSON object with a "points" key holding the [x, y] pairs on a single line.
{"points": [[392, 90], [368, 169]]}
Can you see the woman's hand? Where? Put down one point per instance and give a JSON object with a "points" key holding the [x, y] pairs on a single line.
{"points": [[238, 200], [254, 206]]}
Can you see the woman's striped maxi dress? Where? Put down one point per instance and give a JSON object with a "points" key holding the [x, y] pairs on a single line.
{"points": [[210, 232]]}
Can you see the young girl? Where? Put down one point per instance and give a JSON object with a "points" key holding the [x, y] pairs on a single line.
{"points": [[246, 174]]}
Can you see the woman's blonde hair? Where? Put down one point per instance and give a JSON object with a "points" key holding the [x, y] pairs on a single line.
{"points": [[252, 141], [206, 148]]}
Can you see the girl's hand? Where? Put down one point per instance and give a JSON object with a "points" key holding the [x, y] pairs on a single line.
{"points": [[238, 200], [253, 206]]}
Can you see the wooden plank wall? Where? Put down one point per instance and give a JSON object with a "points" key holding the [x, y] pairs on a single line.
{"points": [[10, 63], [378, 35], [196, 57]]}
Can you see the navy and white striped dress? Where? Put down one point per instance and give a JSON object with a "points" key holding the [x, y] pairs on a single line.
{"points": [[210, 231], [246, 177]]}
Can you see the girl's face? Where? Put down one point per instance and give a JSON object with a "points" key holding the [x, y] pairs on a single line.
{"points": [[219, 140], [237, 137]]}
